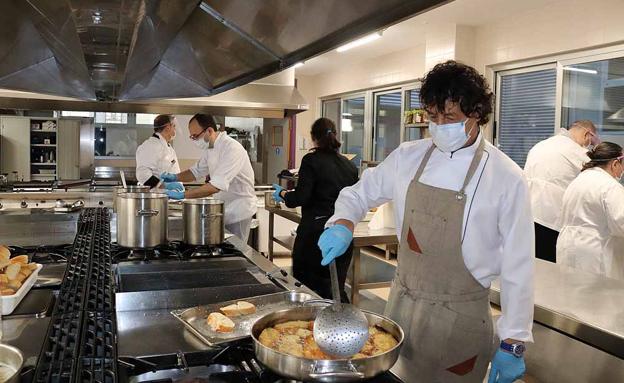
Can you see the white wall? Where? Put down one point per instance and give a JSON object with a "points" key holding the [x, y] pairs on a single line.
{"points": [[551, 27]]}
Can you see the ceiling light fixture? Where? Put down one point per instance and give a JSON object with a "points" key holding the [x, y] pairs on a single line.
{"points": [[361, 41], [581, 70], [298, 65]]}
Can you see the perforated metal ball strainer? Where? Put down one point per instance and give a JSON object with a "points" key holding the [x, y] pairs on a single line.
{"points": [[340, 330]]}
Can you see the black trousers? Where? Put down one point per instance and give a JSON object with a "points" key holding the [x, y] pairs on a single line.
{"points": [[546, 243], [307, 257]]}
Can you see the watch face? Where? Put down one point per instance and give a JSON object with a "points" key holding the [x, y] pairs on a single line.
{"points": [[519, 349]]}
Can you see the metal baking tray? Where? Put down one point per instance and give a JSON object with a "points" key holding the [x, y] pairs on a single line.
{"points": [[195, 318]]}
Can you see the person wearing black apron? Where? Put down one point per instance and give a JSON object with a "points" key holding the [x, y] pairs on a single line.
{"points": [[322, 175], [464, 218]]}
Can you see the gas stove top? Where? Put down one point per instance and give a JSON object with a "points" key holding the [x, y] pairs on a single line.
{"points": [[234, 363], [173, 250], [44, 254]]}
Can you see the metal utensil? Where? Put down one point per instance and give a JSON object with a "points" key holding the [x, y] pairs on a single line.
{"points": [[340, 330], [123, 179]]}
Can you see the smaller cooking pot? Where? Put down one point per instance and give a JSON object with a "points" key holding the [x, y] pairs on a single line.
{"points": [[11, 362], [204, 223], [129, 189]]}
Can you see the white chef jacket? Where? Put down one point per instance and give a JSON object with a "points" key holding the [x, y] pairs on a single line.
{"points": [[592, 233], [230, 171], [550, 167], [155, 156], [497, 236]]}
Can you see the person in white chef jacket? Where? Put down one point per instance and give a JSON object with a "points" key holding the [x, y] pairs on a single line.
{"points": [[592, 220], [156, 154], [550, 167], [463, 218], [231, 176]]}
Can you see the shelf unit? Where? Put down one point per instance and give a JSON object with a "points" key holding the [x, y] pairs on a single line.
{"points": [[43, 152], [418, 125]]}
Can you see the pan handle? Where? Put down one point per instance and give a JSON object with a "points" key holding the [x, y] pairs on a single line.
{"points": [[317, 301], [352, 373], [146, 213], [211, 215]]}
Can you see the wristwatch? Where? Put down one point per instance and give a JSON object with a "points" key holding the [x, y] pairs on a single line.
{"points": [[515, 349]]}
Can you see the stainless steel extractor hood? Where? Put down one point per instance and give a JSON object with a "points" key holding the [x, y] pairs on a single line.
{"points": [[143, 50]]}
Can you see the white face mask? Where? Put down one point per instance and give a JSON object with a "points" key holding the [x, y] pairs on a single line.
{"points": [[449, 137], [202, 144]]}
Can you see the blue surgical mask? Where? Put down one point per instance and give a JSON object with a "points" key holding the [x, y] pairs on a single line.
{"points": [[449, 137]]}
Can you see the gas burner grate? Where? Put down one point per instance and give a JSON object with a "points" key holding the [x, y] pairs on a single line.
{"points": [[98, 336], [97, 371], [81, 344], [56, 361]]}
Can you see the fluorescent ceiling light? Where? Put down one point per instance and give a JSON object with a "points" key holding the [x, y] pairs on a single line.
{"points": [[573, 69], [345, 125], [361, 41], [347, 114], [298, 65]]}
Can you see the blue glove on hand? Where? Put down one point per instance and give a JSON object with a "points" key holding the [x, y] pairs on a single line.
{"points": [[168, 177], [175, 194], [506, 368], [334, 241], [177, 186], [276, 193]]}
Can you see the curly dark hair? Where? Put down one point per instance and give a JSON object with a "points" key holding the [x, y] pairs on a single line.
{"points": [[457, 82]]}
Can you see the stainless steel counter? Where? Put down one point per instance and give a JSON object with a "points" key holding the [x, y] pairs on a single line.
{"points": [[586, 306], [155, 332]]}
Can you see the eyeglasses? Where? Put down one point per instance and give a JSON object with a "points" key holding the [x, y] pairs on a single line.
{"points": [[195, 137]]}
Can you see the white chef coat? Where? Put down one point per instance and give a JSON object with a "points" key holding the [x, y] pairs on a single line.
{"points": [[592, 233], [155, 156], [230, 171], [550, 167], [497, 236]]}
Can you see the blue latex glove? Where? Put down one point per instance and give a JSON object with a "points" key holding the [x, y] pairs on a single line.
{"points": [[175, 194], [276, 193], [506, 368], [174, 186], [334, 241], [168, 177]]}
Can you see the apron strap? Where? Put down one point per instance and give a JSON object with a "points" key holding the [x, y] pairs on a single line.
{"points": [[476, 160], [424, 162]]}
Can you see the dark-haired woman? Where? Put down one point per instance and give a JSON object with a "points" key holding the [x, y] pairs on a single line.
{"points": [[463, 218], [592, 234], [322, 175]]}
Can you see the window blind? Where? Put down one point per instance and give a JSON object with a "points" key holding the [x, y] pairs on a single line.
{"points": [[526, 111]]}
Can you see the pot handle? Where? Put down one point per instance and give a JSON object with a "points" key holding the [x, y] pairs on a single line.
{"points": [[351, 373], [146, 213], [210, 215]]}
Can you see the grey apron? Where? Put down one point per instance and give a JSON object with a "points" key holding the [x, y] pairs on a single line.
{"points": [[442, 308]]}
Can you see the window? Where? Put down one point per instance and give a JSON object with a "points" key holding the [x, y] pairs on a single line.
{"points": [[67, 113], [413, 131], [387, 129], [526, 110], [352, 128], [595, 91], [331, 110], [111, 118], [145, 119]]}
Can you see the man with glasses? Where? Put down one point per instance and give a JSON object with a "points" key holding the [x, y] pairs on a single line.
{"points": [[156, 154], [227, 164], [550, 167]]}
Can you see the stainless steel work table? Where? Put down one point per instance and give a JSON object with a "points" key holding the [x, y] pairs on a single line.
{"points": [[362, 236]]}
